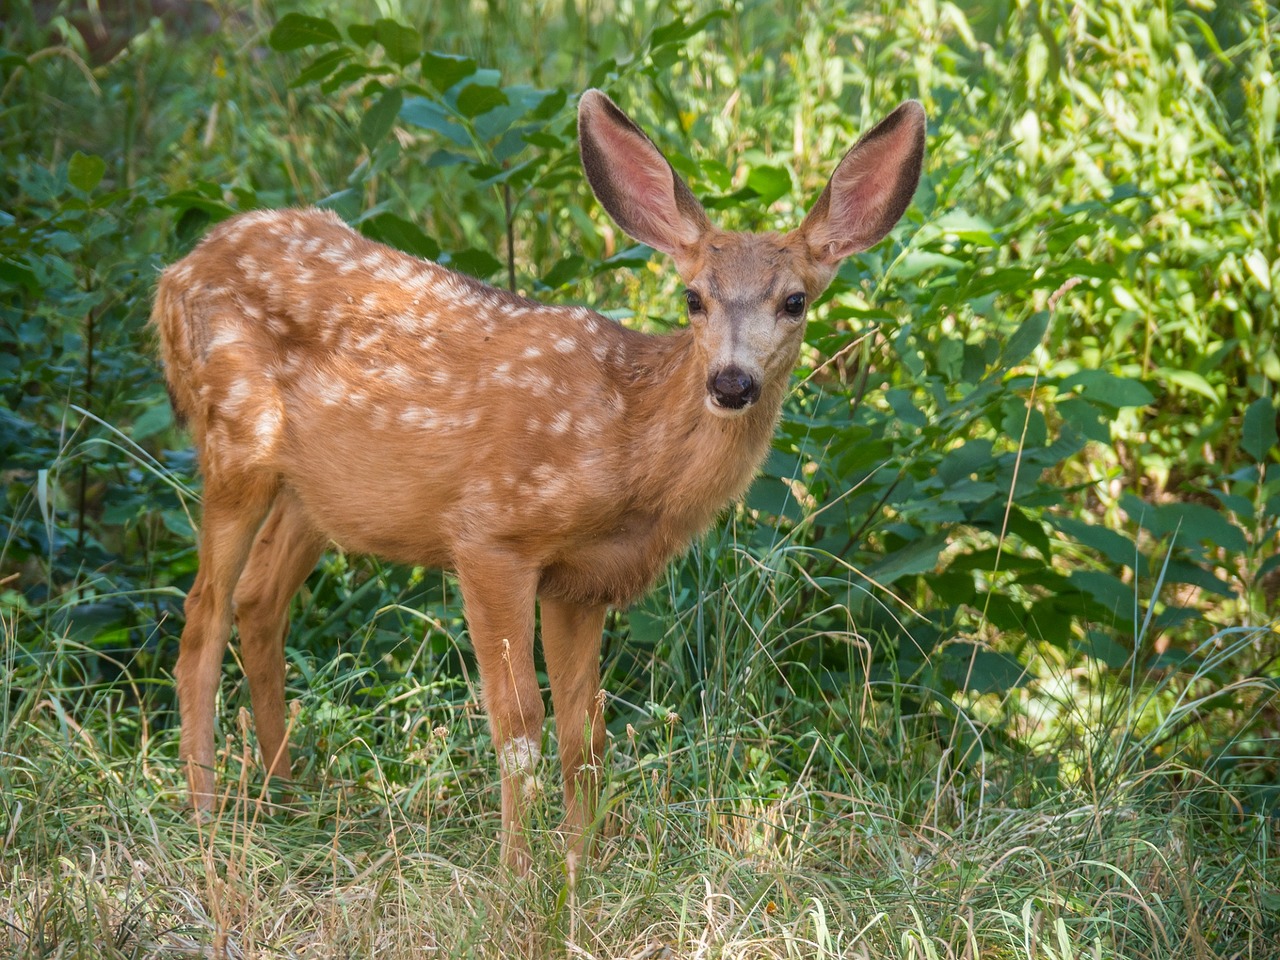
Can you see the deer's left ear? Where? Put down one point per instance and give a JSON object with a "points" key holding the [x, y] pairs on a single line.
{"points": [[870, 189]]}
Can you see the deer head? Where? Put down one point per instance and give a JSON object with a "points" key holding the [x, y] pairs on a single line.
{"points": [[748, 294]]}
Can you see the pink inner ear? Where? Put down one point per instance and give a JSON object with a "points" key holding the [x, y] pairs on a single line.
{"points": [[645, 186], [862, 190], [858, 199]]}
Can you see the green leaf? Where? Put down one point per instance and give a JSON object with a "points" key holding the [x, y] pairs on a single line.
{"points": [[401, 234], [402, 43], [1026, 338], [1255, 262], [973, 457], [1101, 647], [443, 70], [1197, 522], [916, 262], [1112, 593], [478, 263], [203, 196], [430, 115], [918, 556], [85, 170], [1116, 547], [153, 420], [347, 74], [770, 495], [1176, 571], [1190, 522], [321, 67], [378, 119], [1270, 564], [677, 30], [1108, 389], [964, 226], [770, 182], [16, 274], [362, 34], [1086, 418], [1188, 380], [297, 30], [901, 402], [648, 624], [982, 671], [566, 271], [1258, 434], [475, 99]]}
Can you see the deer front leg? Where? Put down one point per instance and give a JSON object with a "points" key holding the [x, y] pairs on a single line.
{"points": [[571, 642], [498, 593], [231, 517]]}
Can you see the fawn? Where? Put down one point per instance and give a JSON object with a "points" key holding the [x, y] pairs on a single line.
{"points": [[340, 390]]}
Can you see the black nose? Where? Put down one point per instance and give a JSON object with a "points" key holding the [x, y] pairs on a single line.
{"points": [[733, 388]]}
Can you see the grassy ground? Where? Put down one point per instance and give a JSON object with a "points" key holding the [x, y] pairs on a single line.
{"points": [[844, 826]]}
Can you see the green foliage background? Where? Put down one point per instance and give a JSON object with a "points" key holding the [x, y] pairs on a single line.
{"points": [[1019, 530]]}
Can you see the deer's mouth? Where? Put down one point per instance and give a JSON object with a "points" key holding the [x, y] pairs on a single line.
{"points": [[726, 411]]}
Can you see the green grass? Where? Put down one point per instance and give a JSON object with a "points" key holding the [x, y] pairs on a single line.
{"points": [[820, 822]]}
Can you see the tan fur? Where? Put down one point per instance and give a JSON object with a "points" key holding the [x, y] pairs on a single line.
{"points": [[340, 390]]}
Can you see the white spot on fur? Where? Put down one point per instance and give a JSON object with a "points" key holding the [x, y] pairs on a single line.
{"points": [[330, 391], [424, 418], [398, 374], [368, 340], [226, 337], [561, 422], [267, 427], [239, 392], [566, 345]]}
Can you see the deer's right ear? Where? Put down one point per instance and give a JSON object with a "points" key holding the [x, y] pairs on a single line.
{"points": [[633, 180], [871, 188]]}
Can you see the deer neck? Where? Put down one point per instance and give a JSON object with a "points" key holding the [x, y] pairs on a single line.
{"points": [[689, 462]]}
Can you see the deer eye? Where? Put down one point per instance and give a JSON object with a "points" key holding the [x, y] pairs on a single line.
{"points": [[794, 305], [693, 301]]}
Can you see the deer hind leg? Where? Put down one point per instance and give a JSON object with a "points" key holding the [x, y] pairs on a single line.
{"points": [[499, 593], [232, 513], [284, 553], [571, 643]]}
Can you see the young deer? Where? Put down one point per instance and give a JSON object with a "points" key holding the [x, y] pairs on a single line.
{"points": [[339, 390]]}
